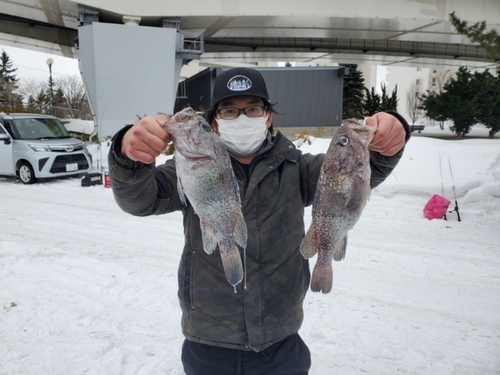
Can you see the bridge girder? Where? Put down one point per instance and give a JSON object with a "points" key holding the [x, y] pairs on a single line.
{"points": [[282, 31]]}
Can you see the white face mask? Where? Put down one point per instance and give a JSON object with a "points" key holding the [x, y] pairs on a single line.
{"points": [[243, 135]]}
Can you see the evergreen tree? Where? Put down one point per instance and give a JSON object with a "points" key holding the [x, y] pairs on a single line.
{"points": [[7, 71], [31, 105], [353, 93], [42, 103], [434, 107], [50, 93], [388, 103], [489, 40], [462, 100], [466, 100], [371, 102], [8, 84], [60, 104], [488, 111], [374, 102]]}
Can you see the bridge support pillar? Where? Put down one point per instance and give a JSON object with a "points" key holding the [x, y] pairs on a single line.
{"points": [[128, 72]]}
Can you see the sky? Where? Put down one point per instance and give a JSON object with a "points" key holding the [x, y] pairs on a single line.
{"points": [[87, 288], [32, 64]]}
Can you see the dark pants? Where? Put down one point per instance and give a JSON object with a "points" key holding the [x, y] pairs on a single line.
{"points": [[287, 357]]}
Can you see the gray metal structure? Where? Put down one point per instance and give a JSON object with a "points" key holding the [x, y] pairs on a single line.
{"points": [[304, 97], [121, 84]]}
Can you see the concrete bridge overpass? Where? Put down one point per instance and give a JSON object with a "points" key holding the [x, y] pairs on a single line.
{"points": [[382, 32]]}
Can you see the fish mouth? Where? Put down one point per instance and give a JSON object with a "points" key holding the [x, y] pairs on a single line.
{"points": [[198, 157], [187, 151]]}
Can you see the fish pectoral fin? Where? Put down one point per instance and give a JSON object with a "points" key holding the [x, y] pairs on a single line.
{"points": [[339, 252], [358, 196], [208, 237]]}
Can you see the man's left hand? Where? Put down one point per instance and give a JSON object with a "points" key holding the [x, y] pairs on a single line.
{"points": [[390, 135]]}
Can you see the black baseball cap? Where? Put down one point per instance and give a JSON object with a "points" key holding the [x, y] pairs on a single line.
{"points": [[239, 81]]}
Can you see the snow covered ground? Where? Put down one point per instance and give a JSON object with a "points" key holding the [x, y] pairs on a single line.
{"points": [[88, 289]]}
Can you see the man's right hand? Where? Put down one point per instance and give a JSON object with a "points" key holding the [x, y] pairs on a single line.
{"points": [[146, 139]]}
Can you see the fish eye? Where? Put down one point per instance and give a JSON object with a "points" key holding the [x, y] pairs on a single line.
{"points": [[206, 127], [343, 141]]}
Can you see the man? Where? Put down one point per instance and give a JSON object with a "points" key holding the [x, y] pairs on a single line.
{"points": [[254, 331]]}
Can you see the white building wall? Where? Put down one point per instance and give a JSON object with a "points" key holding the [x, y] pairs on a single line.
{"points": [[403, 77], [369, 74]]}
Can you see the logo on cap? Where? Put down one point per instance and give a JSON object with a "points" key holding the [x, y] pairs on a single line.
{"points": [[239, 83]]}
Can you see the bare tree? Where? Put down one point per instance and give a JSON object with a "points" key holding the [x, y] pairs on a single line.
{"points": [[69, 96], [31, 87], [414, 101], [10, 100], [75, 96], [438, 78]]}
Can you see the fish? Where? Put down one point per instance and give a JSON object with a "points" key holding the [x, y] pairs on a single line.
{"points": [[342, 192], [205, 177]]}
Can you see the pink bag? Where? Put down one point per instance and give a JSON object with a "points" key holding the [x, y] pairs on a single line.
{"points": [[436, 207]]}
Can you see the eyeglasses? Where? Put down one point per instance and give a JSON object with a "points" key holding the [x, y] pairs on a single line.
{"points": [[232, 113]]}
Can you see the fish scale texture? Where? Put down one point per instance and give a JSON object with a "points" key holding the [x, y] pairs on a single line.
{"points": [[342, 193], [273, 202]]}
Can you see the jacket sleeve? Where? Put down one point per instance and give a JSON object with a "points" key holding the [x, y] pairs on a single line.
{"points": [[382, 166], [310, 168], [142, 189]]}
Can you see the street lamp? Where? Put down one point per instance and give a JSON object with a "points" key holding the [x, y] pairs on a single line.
{"points": [[49, 63]]}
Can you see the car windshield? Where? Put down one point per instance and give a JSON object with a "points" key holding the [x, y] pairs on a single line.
{"points": [[39, 128]]}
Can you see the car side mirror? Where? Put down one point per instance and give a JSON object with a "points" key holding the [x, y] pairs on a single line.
{"points": [[5, 138]]}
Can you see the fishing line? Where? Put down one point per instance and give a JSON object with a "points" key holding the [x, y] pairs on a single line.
{"points": [[442, 186], [245, 266], [454, 192]]}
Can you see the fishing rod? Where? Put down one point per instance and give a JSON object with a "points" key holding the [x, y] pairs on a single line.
{"points": [[454, 192], [442, 186]]}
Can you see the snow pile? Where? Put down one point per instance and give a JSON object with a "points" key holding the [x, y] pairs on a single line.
{"points": [[86, 288], [79, 126]]}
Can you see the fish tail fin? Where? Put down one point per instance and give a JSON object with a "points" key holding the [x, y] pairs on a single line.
{"points": [[240, 232], [339, 253], [231, 260], [322, 278], [307, 247]]}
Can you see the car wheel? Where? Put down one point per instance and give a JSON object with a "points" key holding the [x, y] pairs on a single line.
{"points": [[26, 173]]}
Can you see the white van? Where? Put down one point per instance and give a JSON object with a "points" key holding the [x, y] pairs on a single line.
{"points": [[34, 146]]}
